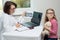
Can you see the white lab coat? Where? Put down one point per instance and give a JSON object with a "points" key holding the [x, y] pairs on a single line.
{"points": [[8, 23]]}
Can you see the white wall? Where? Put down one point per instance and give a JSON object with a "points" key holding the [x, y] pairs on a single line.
{"points": [[42, 5]]}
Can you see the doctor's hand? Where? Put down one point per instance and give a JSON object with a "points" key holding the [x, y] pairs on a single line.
{"points": [[23, 13], [18, 25]]}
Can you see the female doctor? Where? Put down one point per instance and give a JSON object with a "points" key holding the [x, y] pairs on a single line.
{"points": [[8, 21]]}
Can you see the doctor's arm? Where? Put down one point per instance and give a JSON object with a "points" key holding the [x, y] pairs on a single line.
{"points": [[7, 25]]}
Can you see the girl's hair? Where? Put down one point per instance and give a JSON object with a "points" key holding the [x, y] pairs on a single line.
{"points": [[46, 18]]}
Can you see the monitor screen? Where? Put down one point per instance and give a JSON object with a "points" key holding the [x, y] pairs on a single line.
{"points": [[36, 18]]}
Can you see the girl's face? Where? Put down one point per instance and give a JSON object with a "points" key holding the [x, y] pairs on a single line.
{"points": [[50, 14]]}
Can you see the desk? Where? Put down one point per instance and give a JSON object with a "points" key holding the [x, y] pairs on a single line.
{"points": [[34, 34]]}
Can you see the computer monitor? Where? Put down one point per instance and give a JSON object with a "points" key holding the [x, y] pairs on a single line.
{"points": [[36, 18]]}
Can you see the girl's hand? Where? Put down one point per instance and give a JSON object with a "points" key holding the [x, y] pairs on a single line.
{"points": [[47, 28]]}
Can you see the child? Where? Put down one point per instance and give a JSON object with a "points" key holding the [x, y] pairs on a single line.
{"points": [[50, 16]]}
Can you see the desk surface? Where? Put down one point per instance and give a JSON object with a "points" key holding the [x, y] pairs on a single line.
{"points": [[36, 32]]}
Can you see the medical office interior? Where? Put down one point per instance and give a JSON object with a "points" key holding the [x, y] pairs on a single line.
{"points": [[31, 9]]}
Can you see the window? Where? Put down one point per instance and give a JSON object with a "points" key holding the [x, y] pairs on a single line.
{"points": [[0, 4], [22, 3], [1, 7]]}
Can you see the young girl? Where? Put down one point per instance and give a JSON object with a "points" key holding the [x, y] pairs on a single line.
{"points": [[50, 16]]}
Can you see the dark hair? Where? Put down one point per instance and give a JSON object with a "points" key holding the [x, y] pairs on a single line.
{"points": [[7, 5]]}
